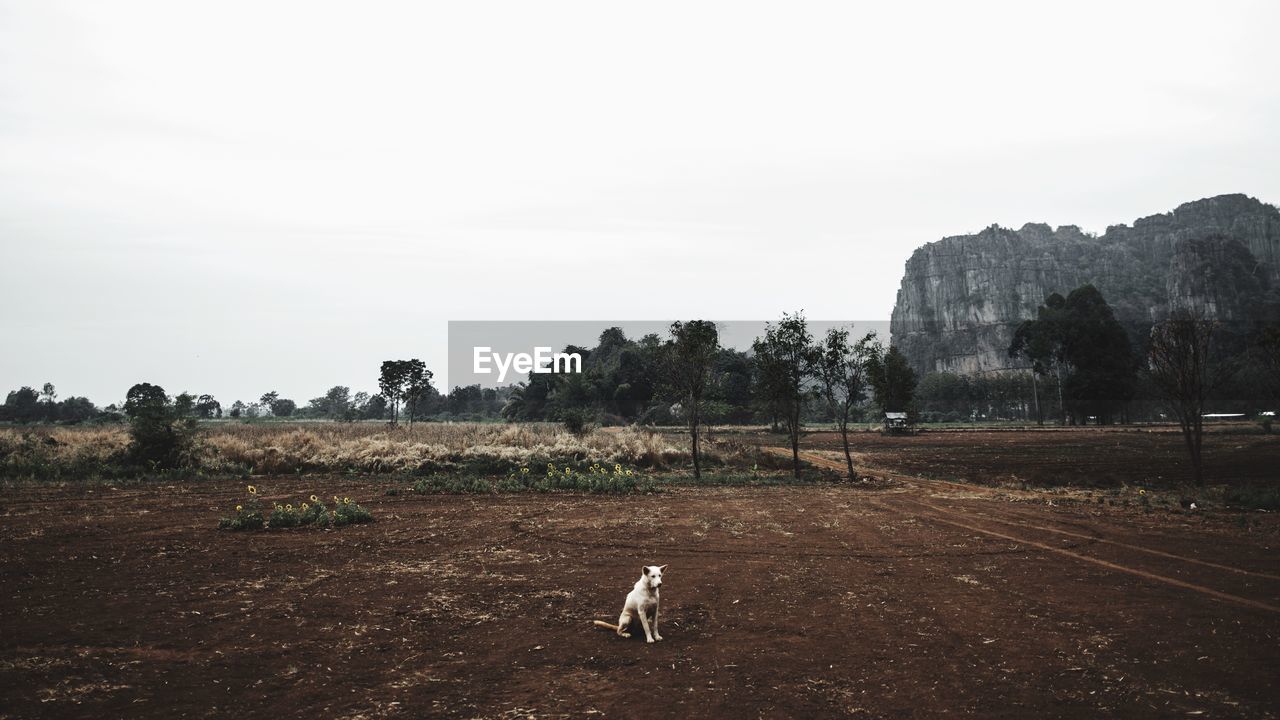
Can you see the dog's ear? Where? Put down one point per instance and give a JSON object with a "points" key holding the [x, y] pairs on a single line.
{"points": [[663, 568], [646, 570]]}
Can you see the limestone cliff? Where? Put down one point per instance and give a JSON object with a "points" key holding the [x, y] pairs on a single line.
{"points": [[961, 297]]}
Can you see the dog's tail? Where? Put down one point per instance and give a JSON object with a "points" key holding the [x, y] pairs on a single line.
{"points": [[605, 625]]}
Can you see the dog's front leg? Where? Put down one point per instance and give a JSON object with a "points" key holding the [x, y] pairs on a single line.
{"points": [[644, 623], [656, 634]]}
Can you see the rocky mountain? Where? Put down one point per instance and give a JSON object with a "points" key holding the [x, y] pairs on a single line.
{"points": [[962, 297]]}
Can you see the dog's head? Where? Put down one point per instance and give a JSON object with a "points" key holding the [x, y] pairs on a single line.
{"points": [[653, 574]]}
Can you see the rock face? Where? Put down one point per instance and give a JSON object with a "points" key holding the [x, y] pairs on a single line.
{"points": [[962, 297]]}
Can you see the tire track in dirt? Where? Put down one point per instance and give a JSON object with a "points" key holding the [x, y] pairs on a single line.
{"points": [[1130, 546], [1257, 604], [938, 513]]}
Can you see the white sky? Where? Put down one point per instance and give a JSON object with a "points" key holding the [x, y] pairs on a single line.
{"points": [[236, 197]]}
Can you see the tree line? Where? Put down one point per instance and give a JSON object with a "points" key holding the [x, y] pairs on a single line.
{"points": [[1083, 366]]}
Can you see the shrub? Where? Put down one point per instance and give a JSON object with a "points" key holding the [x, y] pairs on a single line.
{"points": [[576, 422]]}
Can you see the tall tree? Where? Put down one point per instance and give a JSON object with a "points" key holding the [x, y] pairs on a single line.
{"points": [[1184, 368], [207, 407], [22, 405], [268, 399], [1081, 340], [403, 380], [841, 370], [785, 359], [688, 361], [417, 385], [892, 379], [163, 434]]}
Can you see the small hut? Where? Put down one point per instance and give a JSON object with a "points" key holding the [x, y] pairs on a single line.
{"points": [[897, 423]]}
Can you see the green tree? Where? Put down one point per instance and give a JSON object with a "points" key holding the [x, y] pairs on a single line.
{"points": [[335, 404], [207, 407], [785, 360], [403, 381], [1079, 338], [947, 394], [841, 371], [162, 433], [283, 407], [76, 410], [688, 362], [268, 399], [892, 379], [22, 405]]}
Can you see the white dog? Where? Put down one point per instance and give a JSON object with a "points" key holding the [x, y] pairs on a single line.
{"points": [[642, 603]]}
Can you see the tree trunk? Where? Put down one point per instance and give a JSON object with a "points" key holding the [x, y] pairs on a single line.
{"points": [[693, 430], [795, 443], [1035, 396], [1197, 459], [844, 437]]}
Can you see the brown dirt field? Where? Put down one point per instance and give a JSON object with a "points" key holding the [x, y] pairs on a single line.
{"points": [[919, 599], [1102, 457]]}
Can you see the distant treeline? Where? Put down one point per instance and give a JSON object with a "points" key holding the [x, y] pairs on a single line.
{"points": [[1083, 367], [27, 405]]}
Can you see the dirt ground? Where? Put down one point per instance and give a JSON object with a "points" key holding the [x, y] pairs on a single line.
{"points": [[1098, 457], [916, 599]]}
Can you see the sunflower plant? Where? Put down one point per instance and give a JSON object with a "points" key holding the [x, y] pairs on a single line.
{"points": [[247, 515]]}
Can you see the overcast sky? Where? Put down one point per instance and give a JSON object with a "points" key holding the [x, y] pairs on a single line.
{"points": [[238, 197]]}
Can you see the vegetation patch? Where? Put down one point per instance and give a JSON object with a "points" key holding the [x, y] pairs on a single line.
{"points": [[248, 515]]}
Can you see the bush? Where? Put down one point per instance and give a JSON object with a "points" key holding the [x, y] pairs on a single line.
{"points": [[576, 422]]}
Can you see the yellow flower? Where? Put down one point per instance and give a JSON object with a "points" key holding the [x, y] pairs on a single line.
{"points": [[304, 507], [346, 501], [524, 471], [289, 507], [315, 499], [568, 471], [239, 508], [628, 473], [253, 490], [335, 499], [617, 468], [279, 507]]}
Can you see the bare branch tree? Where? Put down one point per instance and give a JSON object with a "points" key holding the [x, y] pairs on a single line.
{"points": [[1183, 368]]}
